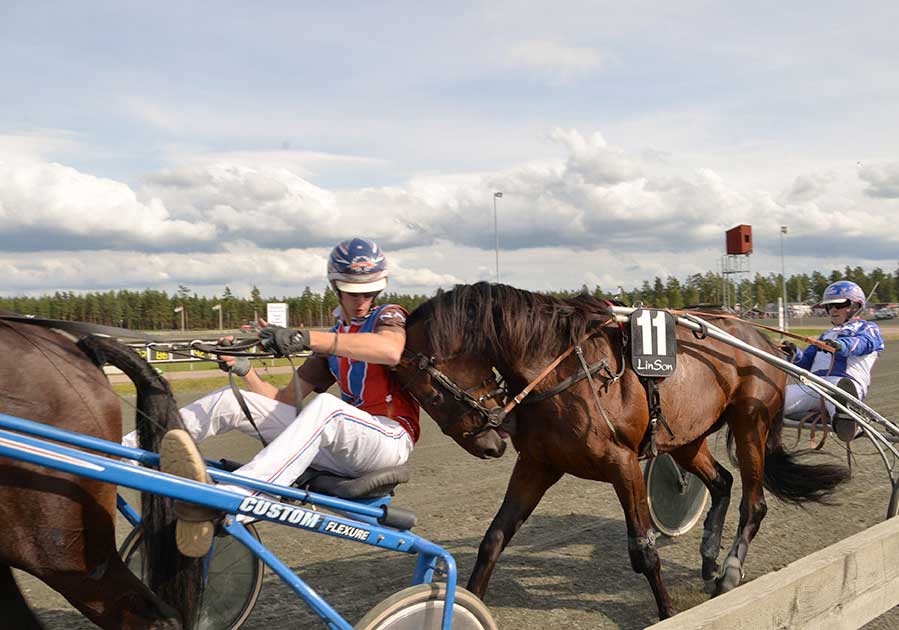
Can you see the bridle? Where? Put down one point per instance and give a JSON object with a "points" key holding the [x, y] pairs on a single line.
{"points": [[493, 417], [474, 398]]}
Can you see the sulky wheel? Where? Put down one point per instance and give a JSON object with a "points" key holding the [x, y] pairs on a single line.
{"points": [[676, 498], [233, 582], [420, 607]]}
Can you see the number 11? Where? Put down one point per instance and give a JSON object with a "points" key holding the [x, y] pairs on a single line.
{"points": [[646, 326]]}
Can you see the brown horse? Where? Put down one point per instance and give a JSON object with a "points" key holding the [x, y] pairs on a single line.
{"points": [[61, 527], [455, 340]]}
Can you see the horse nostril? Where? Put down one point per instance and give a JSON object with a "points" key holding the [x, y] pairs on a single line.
{"points": [[496, 451]]}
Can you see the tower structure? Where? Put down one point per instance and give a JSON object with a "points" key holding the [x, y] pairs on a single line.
{"points": [[735, 266]]}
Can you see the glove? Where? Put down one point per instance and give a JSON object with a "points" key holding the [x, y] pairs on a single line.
{"points": [[789, 349], [283, 341], [241, 366], [837, 345]]}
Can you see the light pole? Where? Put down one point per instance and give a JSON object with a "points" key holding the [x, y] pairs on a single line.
{"points": [[218, 307], [783, 277], [496, 195], [180, 309]]}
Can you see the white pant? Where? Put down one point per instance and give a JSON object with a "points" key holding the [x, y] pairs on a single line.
{"points": [[329, 434], [801, 399]]}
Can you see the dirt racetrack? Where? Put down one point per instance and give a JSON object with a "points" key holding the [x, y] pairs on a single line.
{"points": [[568, 566]]}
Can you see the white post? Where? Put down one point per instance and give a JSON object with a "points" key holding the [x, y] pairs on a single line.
{"points": [[780, 313], [496, 233], [180, 309]]}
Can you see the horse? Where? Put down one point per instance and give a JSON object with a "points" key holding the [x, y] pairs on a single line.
{"points": [[457, 339], [60, 527]]}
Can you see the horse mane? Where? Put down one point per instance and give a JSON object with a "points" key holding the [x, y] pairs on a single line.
{"points": [[506, 323]]}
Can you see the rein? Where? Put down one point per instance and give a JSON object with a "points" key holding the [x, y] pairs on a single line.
{"points": [[238, 349], [815, 342]]}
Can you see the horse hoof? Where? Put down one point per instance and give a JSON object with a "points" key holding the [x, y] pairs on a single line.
{"points": [[729, 580], [710, 586]]}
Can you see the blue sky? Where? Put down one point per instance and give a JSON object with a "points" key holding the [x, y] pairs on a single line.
{"points": [[212, 144]]}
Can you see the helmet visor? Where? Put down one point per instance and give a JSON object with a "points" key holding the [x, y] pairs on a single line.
{"points": [[361, 287]]}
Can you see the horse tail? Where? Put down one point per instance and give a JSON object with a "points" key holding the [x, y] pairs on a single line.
{"points": [[793, 481], [177, 579]]}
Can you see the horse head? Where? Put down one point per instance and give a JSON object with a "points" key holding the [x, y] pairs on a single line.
{"points": [[458, 390]]}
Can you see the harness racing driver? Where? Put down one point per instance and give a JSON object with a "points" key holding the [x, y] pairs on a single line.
{"points": [[856, 345], [373, 425]]}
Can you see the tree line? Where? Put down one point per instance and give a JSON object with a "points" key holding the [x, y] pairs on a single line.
{"points": [[156, 310]]}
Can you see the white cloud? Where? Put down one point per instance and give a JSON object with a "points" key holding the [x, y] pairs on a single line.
{"points": [[46, 204], [882, 179], [600, 214], [558, 62]]}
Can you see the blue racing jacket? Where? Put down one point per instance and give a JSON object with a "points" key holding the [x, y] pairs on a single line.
{"points": [[864, 344]]}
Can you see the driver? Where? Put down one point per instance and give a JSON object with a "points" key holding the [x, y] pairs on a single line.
{"points": [[373, 425], [856, 345]]}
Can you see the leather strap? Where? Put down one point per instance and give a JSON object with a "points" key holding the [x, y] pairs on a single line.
{"points": [[244, 407], [82, 328]]}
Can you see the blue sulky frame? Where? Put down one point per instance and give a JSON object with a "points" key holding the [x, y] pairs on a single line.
{"points": [[364, 527]]}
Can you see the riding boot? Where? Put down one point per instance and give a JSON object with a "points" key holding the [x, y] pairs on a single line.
{"points": [[179, 455], [843, 424]]}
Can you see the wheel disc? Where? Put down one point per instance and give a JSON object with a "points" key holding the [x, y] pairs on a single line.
{"points": [[674, 507]]}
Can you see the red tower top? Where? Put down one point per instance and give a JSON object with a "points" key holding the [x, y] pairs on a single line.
{"points": [[739, 240]]}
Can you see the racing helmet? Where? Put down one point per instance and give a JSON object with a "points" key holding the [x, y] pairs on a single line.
{"points": [[841, 291], [357, 266]]}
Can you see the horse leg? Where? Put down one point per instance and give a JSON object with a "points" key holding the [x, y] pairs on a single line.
{"points": [[16, 613], [750, 445], [527, 485], [113, 597], [697, 459], [628, 483]]}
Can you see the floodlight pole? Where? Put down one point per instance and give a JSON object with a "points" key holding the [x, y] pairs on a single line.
{"points": [[496, 195], [783, 277]]}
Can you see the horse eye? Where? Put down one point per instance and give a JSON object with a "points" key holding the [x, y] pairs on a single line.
{"points": [[436, 400]]}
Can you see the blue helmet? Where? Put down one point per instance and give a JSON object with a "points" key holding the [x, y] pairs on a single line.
{"points": [[841, 291], [357, 266]]}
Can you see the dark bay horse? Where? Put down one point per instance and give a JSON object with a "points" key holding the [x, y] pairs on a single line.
{"points": [[454, 342], [61, 527]]}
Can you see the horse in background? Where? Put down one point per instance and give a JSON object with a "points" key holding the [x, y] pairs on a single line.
{"points": [[60, 527], [457, 339]]}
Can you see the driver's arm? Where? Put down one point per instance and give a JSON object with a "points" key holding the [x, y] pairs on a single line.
{"points": [[384, 346]]}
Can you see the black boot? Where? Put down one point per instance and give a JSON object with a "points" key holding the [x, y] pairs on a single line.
{"points": [[843, 424]]}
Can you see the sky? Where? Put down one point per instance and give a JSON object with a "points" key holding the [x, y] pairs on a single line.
{"points": [[213, 144]]}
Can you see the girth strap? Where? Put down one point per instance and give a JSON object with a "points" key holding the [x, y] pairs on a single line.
{"points": [[655, 414]]}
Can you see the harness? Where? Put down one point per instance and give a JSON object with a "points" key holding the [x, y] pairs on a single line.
{"points": [[651, 354], [495, 390]]}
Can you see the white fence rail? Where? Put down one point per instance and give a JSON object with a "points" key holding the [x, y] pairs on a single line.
{"points": [[841, 587]]}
